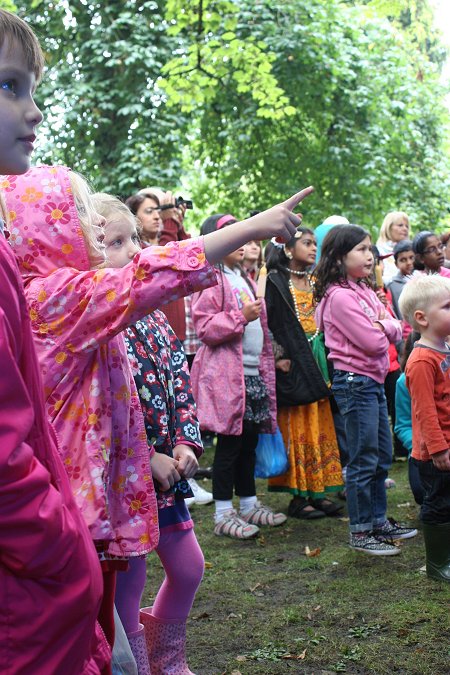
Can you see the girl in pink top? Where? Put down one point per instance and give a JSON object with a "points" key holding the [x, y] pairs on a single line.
{"points": [[357, 333], [78, 308]]}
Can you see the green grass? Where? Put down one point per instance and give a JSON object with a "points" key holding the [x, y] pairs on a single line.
{"points": [[264, 607]]}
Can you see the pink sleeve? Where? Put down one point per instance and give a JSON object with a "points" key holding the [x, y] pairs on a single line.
{"points": [[37, 533], [350, 319], [213, 324], [85, 309]]}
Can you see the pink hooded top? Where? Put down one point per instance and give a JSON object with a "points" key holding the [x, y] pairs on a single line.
{"points": [[346, 315], [218, 371], [77, 315], [50, 578]]}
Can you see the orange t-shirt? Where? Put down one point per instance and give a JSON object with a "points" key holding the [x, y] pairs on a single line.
{"points": [[428, 381]]}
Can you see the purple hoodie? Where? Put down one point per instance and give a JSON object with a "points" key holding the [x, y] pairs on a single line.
{"points": [[346, 316]]}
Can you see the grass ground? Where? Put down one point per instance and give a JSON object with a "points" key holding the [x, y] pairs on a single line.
{"points": [[265, 607]]}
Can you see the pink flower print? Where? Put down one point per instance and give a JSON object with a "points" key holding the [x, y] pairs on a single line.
{"points": [[16, 212], [132, 476], [54, 405], [27, 262], [7, 183], [94, 388], [137, 503], [31, 195], [57, 212], [74, 472], [16, 238], [50, 185], [57, 305]]}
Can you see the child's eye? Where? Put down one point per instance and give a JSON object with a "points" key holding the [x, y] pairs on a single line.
{"points": [[9, 85]]}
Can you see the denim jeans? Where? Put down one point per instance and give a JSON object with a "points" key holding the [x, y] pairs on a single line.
{"points": [[362, 404]]}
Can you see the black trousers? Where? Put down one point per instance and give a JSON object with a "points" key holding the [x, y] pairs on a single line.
{"points": [[234, 465], [435, 508]]}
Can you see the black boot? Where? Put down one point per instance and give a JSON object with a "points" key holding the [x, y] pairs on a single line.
{"points": [[437, 547]]}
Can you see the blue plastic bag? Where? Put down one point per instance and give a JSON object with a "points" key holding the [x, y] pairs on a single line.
{"points": [[271, 456]]}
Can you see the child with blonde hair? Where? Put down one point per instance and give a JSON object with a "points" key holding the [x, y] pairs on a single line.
{"points": [[425, 303], [78, 308], [162, 379]]}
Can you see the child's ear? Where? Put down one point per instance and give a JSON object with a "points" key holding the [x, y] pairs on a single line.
{"points": [[421, 318]]}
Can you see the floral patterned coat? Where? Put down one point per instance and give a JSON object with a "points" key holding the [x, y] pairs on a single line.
{"points": [[161, 374], [77, 315]]}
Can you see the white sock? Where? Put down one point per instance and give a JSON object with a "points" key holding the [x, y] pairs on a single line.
{"points": [[246, 504], [222, 506]]}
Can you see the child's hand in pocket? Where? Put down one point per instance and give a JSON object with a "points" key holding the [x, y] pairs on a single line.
{"points": [[164, 470]]}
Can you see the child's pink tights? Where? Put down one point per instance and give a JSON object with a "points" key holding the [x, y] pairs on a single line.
{"points": [[183, 563]]}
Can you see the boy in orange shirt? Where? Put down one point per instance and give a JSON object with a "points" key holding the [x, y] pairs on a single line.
{"points": [[425, 304]]}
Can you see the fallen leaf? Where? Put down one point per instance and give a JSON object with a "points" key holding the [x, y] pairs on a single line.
{"points": [[404, 506], [316, 609], [234, 672], [312, 553], [295, 657], [203, 615], [208, 565], [241, 657], [253, 588]]}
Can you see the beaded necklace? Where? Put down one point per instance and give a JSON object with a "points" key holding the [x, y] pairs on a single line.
{"points": [[298, 312], [298, 273]]}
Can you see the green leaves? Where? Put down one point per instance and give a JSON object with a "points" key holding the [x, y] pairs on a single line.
{"points": [[243, 102]]}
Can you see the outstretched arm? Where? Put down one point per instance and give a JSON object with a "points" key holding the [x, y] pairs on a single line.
{"points": [[279, 221]]}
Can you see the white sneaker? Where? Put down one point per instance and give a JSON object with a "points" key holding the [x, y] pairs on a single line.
{"points": [[201, 496]]}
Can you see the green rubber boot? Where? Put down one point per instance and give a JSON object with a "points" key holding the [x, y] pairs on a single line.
{"points": [[437, 548]]}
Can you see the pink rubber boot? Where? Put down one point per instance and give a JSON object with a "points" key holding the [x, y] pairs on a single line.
{"points": [[166, 644], [138, 646]]}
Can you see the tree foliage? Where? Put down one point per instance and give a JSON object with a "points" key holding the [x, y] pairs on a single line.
{"points": [[245, 101]]}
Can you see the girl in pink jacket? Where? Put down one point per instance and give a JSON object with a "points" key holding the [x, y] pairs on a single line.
{"points": [[357, 333], [233, 381], [78, 308]]}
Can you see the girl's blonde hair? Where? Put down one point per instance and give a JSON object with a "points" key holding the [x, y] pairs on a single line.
{"points": [[392, 218], [4, 213], [82, 194], [112, 209]]}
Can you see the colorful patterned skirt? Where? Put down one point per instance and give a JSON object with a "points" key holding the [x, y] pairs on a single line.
{"points": [[310, 440]]}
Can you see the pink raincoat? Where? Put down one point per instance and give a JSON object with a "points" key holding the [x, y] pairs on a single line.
{"points": [[50, 578], [76, 317], [217, 371]]}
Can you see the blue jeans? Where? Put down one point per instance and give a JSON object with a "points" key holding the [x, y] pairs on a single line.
{"points": [[362, 404]]}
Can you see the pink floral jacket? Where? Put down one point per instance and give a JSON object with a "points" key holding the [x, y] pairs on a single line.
{"points": [[77, 315], [217, 371]]}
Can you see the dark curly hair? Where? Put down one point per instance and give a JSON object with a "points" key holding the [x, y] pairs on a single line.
{"points": [[330, 270]]}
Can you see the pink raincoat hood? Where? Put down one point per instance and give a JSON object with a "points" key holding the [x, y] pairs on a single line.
{"points": [[77, 315], [45, 230]]}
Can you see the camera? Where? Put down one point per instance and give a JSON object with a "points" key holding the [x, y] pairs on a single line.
{"points": [[179, 201]]}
